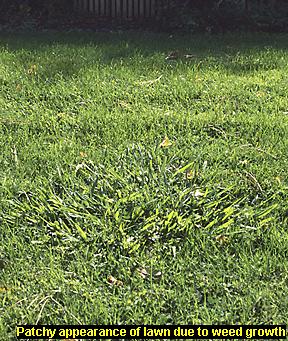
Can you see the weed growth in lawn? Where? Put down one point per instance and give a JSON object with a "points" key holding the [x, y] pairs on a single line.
{"points": [[139, 189]]}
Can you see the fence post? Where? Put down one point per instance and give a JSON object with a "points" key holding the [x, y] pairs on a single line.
{"points": [[246, 6]]}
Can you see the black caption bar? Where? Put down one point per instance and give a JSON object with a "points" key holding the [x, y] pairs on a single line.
{"points": [[275, 332]]}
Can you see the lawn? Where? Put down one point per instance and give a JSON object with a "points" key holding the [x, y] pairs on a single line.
{"points": [[137, 189]]}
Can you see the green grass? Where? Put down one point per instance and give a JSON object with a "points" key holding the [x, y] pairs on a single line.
{"points": [[196, 231]]}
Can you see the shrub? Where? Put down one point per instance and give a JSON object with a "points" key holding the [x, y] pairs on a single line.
{"points": [[223, 15], [17, 11]]}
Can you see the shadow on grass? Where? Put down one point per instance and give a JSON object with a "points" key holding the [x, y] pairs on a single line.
{"points": [[67, 53]]}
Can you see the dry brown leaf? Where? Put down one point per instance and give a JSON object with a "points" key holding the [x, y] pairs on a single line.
{"points": [[190, 174], [114, 281], [4, 289], [173, 55], [142, 272], [32, 70], [222, 239]]}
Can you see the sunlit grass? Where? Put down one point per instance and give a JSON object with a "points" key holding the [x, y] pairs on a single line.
{"points": [[169, 175]]}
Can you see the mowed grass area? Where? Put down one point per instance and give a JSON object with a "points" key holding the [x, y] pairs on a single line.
{"points": [[140, 190]]}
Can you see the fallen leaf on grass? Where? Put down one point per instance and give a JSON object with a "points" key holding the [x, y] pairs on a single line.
{"points": [[61, 114], [190, 174], [4, 289], [114, 281], [80, 166], [244, 162], [142, 272], [173, 55], [32, 70], [158, 274], [188, 56], [124, 104], [165, 143], [260, 94], [174, 251], [198, 194], [222, 239]]}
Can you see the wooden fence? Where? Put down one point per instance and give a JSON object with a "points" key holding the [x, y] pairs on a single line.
{"points": [[129, 9]]}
